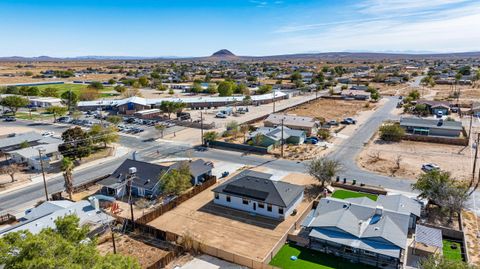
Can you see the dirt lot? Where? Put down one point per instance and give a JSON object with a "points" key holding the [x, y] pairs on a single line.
{"points": [[332, 109], [471, 228], [380, 157], [145, 254], [231, 230]]}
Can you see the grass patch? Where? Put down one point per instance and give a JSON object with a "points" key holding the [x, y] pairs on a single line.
{"points": [[310, 259], [35, 116], [452, 254], [76, 88], [344, 194]]}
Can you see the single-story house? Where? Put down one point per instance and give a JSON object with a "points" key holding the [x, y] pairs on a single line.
{"points": [[44, 216], [431, 127], [359, 88], [362, 230], [45, 101], [256, 193], [436, 106], [355, 94], [146, 180], [31, 157], [273, 136], [307, 124]]}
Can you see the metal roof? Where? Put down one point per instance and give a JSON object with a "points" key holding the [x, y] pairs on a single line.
{"points": [[20, 138], [431, 123], [428, 236]]}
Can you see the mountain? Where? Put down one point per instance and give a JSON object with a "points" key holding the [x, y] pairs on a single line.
{"points": [[223, 53]]}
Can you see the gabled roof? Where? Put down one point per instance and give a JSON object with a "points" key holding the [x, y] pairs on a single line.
{"points": [[197, 167], [259, 186], [291, 120], [363, 219], [276, 133]]}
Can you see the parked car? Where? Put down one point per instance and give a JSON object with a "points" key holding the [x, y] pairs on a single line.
{"points": [[332, 123], [49, 133], [430, 167], [311, 140], [201, 148], [9, 119], [348, 121], [221, 115], [64, 119], [440, 114]]}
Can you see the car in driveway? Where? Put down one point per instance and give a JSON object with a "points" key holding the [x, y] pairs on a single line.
{"points": [[427, 167], [49, 133], [348, 121], [312, 140]]}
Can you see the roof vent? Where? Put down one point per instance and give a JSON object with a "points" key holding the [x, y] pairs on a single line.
{"points": [[146, 182], [379, 210], [376, 228], [132, 170]]}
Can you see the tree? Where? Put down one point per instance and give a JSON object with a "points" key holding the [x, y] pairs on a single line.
{"points": [[323, 169], [10, 170], [89, 94], [120, 88], [212, 88], [160, 87], [421, 109], [440, 262], [210, 136], [391, 132], [131, 92], [24, 144], [296, 76], [244, 128], [49, 92], [161, 129], [112, 81], [105, 135], [115, 120], [414, 95], [225, 88], [97, 85], [264, 89], [14, 102], [170, 107], [242, 89], [65, 246], [196, 88], [76, 144], [56, 111], [176, 181], [232, 128], [143, 80], [442, 190], [67, 168], [70, 98]]}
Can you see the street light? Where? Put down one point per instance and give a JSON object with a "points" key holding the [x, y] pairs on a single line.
{"points": [[40, 151]]}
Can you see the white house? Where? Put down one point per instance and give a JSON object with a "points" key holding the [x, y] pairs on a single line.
{"points": [[256, 193], [31, 157]]}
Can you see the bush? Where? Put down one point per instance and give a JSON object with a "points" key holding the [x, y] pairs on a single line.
{"points": [[391, 132], [324, 134]]}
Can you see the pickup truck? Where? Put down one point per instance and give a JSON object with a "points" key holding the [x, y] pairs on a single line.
{"points": [[348, 121]]}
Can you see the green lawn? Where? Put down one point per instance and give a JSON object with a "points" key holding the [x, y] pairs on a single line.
{"points": [[76, 88], [35, 116], [452, 254], [310, 259], [344, 194]]}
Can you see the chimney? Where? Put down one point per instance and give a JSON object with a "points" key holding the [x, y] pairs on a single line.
{"points": [[94, 203], [132, 170]]}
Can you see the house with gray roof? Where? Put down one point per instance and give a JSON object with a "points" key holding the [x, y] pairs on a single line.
{"points": [[431, 127], [256, 193], [273, 136], [30, 155], [307, 124], [15, 142], [363, 230]]}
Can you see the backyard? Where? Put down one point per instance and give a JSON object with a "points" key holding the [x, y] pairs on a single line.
{"points": [[452, 250], [310, 259], [344, 194]]}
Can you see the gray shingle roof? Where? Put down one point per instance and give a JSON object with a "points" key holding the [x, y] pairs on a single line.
{"points": [[363, 219], [20, 138], [259, 186], [431, 123]]}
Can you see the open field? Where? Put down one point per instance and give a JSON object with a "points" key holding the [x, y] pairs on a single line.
{"points": [[331, 109], [381, 157], [345, 194], [76, 88], [310, 259], [128, 246], [227, 229]]}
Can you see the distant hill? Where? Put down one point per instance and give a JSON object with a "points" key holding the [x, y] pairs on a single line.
{"points": [[225, 54]]}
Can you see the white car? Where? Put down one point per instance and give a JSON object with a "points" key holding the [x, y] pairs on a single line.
{"points": [[430, 167], [45, 134]]}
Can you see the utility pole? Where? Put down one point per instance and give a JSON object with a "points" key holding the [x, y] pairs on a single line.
{"points": [[113, 241], [475, 161], [282, 143], [273, 99], [470, 128], [131, 174], [201, 128], [40, 151]]}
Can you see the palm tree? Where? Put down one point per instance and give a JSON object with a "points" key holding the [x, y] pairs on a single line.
{"points": [[67, 168]]}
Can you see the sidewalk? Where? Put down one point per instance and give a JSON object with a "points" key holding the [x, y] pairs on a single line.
{"points": [[119, 152]]}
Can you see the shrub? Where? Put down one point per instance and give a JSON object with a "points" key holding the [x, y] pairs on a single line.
{"points": [[324, 134], [391, 132]]}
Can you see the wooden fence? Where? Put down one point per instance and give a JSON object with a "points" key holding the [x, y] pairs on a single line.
{"points": [[157, 212], [7, 219], [436, 139]]}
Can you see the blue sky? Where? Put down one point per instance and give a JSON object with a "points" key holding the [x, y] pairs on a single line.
{"points": [[247, 27]]}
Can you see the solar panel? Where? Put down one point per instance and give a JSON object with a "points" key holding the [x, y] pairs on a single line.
{"points": [[246, 192]]}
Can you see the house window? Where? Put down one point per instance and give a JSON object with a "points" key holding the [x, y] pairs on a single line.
{"points": [[369, 253], [280, 211], [228, 198], [245, 201], [269, 208], [261, 205], [217, 196], [349, 249]]}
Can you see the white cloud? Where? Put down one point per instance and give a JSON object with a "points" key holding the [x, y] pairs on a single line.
{"points": [[392, 6]]}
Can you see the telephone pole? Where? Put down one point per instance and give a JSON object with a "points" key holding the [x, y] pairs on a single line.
{"points": [[475, 161], [40, 151], [201, 128], [131, 175], [273, 99], [282, 142]]}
